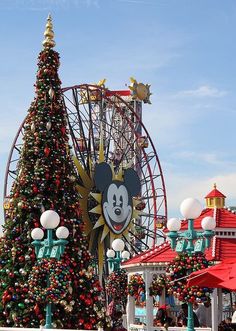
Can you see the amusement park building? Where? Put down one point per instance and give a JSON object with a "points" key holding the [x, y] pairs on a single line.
{"points": [[223, 245], [155, 260]]}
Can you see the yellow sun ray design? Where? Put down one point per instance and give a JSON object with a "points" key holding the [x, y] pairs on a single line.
{"points": [[98, 232]]}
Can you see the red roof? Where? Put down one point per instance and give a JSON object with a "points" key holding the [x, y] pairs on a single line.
{"points": [[225, 248], [215, 194], [220, 249], [224, 219]]}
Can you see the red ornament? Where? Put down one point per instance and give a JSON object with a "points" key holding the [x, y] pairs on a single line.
{"points": [[36, 309], [35, 189], [63, 130], [47, 151]]}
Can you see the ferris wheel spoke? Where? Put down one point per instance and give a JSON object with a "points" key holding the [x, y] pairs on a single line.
{"points": [[129, 244], [139, 240], [151, 231], [81, 128]]}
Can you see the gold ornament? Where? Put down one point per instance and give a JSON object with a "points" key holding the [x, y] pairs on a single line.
{"points": [[49, 34], [51, 93], [140, 91], [6, 203], [13, 253], [48, 125], [32, 128]]}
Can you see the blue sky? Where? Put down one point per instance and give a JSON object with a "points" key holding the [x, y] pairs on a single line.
{"points": [[185, 49]]}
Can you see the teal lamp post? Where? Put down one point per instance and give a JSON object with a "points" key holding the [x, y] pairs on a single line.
{"points": [[117, 254], [190, 241], [49, 248]]}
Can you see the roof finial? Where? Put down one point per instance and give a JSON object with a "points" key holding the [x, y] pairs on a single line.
{"points": [[49, 34], [214, 185]]}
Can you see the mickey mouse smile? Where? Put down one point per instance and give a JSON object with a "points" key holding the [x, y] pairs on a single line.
{"points": [[117, 208]]}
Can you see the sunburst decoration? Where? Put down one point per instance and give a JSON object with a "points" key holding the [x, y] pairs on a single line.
{"points": [[100, 232], [140, 91]]}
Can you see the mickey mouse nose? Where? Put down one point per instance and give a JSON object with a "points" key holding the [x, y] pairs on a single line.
{"points": [[117, 211]]}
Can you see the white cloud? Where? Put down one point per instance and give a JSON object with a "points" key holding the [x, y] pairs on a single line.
{"points": [[180, 187], [202, 91], [209, 158]]}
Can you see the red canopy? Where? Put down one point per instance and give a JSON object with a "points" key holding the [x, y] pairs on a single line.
{"points": [[230, 284], [220, 275]]}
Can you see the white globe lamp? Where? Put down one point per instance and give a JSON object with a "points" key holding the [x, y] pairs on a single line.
{"points": [[50, 219], [125, 255], [62, 232], [118, 245], [37, 234], [110, 253], [208, 223], [191, 208], [173, 224]]}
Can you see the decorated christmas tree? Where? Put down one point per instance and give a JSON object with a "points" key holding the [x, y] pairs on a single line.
{"points": [[46, 180]]}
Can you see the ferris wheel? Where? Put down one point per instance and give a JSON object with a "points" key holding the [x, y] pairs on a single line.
{"points": [[110, 122]]}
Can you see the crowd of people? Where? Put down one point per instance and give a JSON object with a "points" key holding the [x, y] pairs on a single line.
{"points": [[115, 311], [202, 316]]}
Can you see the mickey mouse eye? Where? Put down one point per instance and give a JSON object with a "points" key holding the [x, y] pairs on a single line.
{"points": [[121, 201], [114, 200]]}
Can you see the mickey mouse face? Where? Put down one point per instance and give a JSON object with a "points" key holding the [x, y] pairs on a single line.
{"points": [[117, 207]]}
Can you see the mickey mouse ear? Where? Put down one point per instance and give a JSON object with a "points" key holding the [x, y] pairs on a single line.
{"points": [[132, 181], [102, 175]]}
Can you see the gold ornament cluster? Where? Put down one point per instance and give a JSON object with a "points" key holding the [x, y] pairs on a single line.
{"points": [[49, 34]]}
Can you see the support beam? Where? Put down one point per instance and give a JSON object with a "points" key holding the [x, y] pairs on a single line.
{"points": [[130, 308], [149, 299], [214, 310]]}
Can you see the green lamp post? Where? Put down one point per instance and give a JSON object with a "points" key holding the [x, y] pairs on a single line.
{"points": [[190, 241], [117, 254], [49, 248]]}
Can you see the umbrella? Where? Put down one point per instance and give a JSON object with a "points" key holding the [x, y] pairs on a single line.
{"points": [[214, 276], [230, 284]]}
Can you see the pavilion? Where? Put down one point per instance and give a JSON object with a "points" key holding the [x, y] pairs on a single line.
{"points": [[154, 261]]}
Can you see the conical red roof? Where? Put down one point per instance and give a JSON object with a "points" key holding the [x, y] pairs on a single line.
{"points": [[215, 194]]}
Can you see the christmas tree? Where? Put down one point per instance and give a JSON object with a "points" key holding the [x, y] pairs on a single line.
{"points": [[46, 180]]}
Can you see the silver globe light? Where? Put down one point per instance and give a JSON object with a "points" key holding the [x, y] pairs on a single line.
{"points": [[125, 255], [173, 224], [62, 232], [208, 223], [50, 219], [191, 208], [110, 253], [37, 234], [118, 245]]}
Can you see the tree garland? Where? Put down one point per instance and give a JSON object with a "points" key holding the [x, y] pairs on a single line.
{"points": [[157, 285], [177, 273], [116, 284], [136, 285], [49, 281]]}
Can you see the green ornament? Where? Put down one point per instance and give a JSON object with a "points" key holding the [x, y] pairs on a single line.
{"points": [[21, 305]]}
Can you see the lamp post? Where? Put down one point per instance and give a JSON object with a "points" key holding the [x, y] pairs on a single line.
{"points": [[117, 254], [49, 248], [190, 241]]}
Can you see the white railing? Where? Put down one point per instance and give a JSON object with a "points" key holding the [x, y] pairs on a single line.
{"points": [[136, 327]]}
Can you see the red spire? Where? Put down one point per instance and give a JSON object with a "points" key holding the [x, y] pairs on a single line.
{"points": [[215, 193]]}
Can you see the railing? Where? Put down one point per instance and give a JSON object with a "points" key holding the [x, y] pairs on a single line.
{"points": [[136, 327]]}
